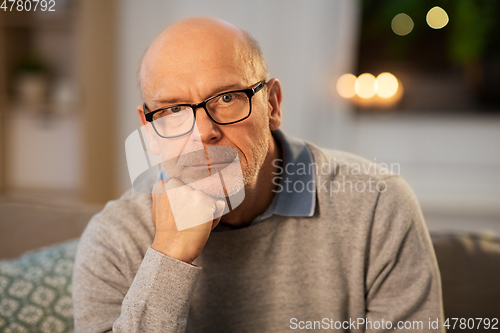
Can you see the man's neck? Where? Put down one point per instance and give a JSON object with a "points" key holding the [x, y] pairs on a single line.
{"points": [[258, 196]]}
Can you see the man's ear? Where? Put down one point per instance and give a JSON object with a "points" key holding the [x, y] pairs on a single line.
{"points": [[274, 103], [153, 145]]}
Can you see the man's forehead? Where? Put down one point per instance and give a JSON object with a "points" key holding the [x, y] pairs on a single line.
{"points": [[178, 89], [195, 52], [168, 80], [183, 59]]}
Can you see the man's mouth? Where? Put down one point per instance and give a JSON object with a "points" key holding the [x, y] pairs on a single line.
{"points": [[202, 163], [210, 165], [219, 165]]}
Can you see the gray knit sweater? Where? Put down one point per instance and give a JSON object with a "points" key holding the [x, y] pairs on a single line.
{"points": [[362, 262]]}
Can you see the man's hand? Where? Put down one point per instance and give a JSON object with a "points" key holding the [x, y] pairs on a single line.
{"points": [[184, 237]]}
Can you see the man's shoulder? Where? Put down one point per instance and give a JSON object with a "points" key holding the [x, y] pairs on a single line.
{"points": [[132, 205], [122, 219], [357, 186], [335, 163], [352, 177]]}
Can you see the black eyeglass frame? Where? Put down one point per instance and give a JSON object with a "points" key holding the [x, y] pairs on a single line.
{"points": [[249, 92]]}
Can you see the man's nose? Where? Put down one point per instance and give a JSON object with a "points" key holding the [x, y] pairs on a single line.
{"points": [[209, 131]]}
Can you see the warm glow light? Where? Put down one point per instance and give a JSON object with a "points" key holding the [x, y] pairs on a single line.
{"points": [[345, 85], [366, 85], [437, 18], [387, 85], [402, 24]]}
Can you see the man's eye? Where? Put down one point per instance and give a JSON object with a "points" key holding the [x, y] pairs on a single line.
{"points": [[227, 98], [175, 109]]}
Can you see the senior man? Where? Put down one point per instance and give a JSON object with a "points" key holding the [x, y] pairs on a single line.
{"points": [[305, 249]]}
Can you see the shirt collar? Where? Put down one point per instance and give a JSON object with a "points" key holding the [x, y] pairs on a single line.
{"points": [[295, 180]]}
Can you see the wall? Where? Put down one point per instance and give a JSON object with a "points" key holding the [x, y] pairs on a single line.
{"points": [[452, 162], [44, 153]]}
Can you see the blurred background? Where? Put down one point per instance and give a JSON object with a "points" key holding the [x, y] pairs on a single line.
{"points": [[68, 98]]}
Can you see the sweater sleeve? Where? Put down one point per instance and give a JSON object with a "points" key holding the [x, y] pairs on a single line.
{"points": [[159, 298], [108, 297], [403, 283]]}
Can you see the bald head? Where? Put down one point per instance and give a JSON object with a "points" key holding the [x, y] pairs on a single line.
{"points": [[201, 41]]}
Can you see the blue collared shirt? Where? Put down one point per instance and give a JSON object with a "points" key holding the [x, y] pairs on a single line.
{"points": [[295, 179], [296, 192]]}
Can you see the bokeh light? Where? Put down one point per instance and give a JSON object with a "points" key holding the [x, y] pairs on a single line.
{"points": [[345, 85], [366, 85], [437, 18], [402, 24], [387, 85]]}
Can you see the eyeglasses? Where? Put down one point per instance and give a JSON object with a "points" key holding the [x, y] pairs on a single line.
{"points": [[223, 109]]}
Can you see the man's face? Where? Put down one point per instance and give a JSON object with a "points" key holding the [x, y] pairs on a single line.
{"points": [[189, 68]]}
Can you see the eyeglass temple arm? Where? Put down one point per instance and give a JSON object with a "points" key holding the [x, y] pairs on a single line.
{"points": [[258, 87]]}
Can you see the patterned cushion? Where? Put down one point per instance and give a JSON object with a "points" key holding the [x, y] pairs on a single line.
{"points": [[35, 290]]}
